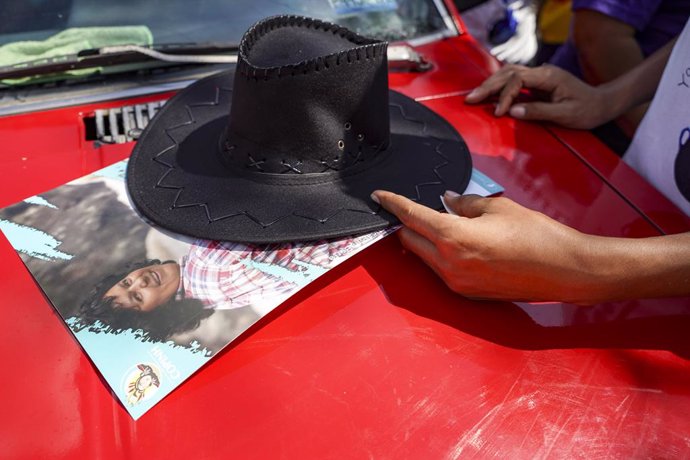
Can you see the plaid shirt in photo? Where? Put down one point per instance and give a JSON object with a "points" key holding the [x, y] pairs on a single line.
{"points": [[227, 275]]}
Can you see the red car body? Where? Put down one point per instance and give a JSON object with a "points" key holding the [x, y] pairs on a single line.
{"points": [[377, 358]]}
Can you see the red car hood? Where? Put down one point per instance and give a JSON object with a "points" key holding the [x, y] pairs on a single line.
{"points": [[377, 358]]}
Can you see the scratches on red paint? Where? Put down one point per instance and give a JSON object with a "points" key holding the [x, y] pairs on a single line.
{"points": [[473, 437]]}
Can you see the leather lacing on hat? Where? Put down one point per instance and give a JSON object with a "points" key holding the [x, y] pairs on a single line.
{"points": [[366, 48]]}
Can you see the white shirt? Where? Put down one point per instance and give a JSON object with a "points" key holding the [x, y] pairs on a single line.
{"points": [[660, 150]]}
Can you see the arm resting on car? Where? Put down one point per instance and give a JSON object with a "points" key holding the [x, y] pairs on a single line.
{"points": [[496, 249]]}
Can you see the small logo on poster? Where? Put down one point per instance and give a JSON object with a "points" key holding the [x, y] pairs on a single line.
{"points": [[142, 383]]}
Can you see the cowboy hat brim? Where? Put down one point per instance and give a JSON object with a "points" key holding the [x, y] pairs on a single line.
{"points": [[175, 176]]}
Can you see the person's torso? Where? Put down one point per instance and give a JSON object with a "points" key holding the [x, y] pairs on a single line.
{"points": [[660, 150]]}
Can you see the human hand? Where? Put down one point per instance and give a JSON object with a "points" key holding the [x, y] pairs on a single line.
{"points": [[572, 103], [495, 249]]}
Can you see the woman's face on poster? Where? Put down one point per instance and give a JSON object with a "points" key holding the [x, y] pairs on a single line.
{"points": [[146, 288]]}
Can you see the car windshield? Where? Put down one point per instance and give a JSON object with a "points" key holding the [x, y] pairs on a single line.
{"points": [[210, 21]]}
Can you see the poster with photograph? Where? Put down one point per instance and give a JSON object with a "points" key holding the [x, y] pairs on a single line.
{"points": [[150, 308]]}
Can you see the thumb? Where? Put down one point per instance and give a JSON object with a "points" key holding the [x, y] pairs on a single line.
{"points": [[465, 205]]}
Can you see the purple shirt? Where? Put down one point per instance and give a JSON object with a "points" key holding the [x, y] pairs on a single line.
{"points": [[655, 21]]}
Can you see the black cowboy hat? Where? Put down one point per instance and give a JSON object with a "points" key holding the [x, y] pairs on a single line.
{"points": [[290, 144]]}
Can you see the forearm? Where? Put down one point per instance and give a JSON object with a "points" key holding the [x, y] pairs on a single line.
{"points": [[638, 85], [606, 48], [631, 268]]}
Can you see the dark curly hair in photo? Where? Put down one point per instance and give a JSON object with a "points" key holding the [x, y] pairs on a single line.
{"points": [[173, 317]]}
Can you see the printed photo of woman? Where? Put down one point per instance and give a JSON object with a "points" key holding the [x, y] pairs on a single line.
{"points": [[172, 297]]}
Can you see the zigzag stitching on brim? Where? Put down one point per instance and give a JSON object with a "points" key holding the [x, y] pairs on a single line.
{"points": [[177, 204]]}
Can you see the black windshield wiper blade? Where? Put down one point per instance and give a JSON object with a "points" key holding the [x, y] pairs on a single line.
{"points": [[209, 53]]}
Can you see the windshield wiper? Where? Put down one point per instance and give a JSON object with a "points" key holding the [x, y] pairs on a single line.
{"points": [[108, 56]]}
